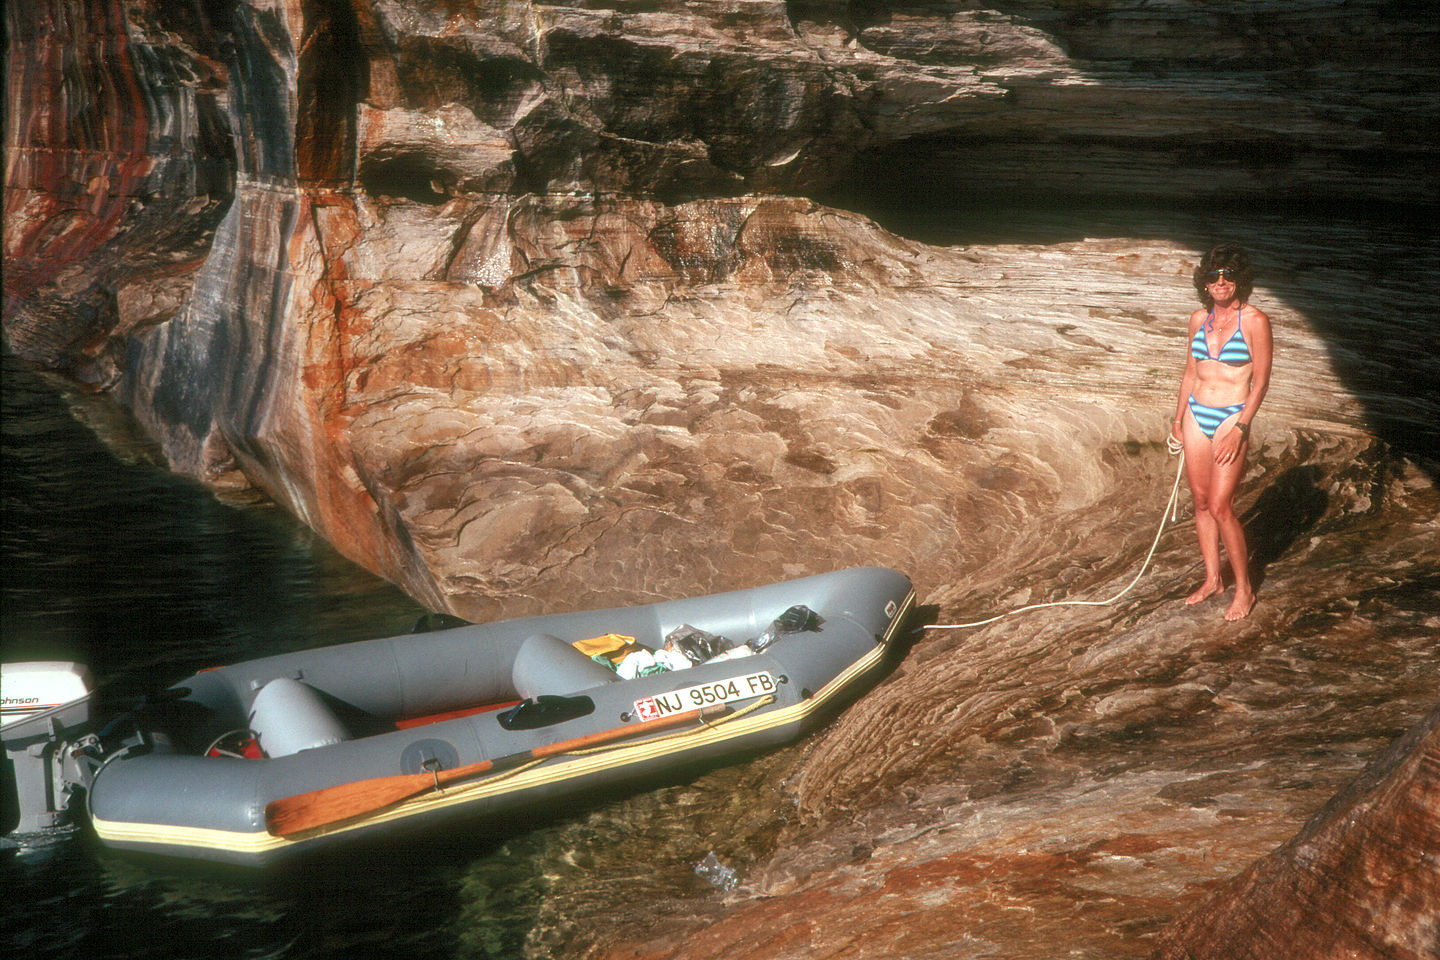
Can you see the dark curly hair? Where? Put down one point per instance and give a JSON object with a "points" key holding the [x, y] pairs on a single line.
{"points": [[1225, 255]]}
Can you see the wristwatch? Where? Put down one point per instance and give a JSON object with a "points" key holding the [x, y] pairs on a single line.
{"points": [[1244, 429]]}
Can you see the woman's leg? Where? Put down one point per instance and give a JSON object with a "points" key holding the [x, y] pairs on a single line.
{"points": [[1224, 481], [1199, 466]]}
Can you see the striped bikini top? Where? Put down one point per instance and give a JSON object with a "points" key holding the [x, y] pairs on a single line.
{"points": [[1235, 353]]}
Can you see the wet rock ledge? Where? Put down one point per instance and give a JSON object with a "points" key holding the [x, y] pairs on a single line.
{"points": [[539, 306]]}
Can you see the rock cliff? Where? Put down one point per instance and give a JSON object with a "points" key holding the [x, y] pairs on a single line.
{"points": [[285, 233], [532, 306]]}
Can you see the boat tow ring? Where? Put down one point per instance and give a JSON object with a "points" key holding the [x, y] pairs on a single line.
{"points": [[434, 765]]}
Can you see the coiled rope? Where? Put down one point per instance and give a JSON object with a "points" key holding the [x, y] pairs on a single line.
{"points": [[1172, 511]]}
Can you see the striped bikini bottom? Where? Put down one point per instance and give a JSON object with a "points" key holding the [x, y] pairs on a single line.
{"points": [[1210, 418]]}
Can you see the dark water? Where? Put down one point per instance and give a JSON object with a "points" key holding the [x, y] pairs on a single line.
{"points": [[146, 577]]}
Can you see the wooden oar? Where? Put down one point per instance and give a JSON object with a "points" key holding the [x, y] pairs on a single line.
{"points": [[306, 811]]}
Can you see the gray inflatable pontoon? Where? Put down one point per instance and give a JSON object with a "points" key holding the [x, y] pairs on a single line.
{"points": [[409, 732]]}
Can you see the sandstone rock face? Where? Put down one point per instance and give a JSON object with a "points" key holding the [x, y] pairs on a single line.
{"points": [[433, 214], [546, 306], [1069, 784], [118, 166]]}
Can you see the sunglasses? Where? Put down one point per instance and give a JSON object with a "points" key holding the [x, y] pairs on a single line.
{"points": [[1229, 273]]}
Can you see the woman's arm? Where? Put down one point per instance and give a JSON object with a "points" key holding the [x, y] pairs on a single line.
{"points": [[1261, 353], [1187, 378]]}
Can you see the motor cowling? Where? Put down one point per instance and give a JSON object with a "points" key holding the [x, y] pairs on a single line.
{"points": [[44, 729], [31, 688]]}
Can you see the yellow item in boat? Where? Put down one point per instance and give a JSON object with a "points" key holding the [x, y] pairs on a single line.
{"points": [[614, 647]]}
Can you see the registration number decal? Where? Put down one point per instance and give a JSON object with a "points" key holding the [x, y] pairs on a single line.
{"points": [[705, 694]]}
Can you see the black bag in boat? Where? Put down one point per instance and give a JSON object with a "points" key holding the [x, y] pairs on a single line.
{"points": [[697, 645], [797, 619]]}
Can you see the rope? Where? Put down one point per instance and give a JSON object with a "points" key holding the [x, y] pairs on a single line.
{"points": [[1172, 509]]}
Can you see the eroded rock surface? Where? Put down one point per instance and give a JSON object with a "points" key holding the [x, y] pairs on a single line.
{"points": [[544, 306], [1361, 879]]}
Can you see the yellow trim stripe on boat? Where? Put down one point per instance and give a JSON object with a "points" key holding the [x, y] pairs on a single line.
{"points": [[569, 766]]}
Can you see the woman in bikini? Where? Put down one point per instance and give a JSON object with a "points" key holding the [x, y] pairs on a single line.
{"points": [[1227, 371]]}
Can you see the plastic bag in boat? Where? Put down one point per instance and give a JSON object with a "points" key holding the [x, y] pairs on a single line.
{"points": [[672, 659], [795, 620], [696, 645], [734, 653], [641, 663]]}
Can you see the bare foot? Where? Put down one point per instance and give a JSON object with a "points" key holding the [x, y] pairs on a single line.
{"points": [[1207, 590], [1241, 606]]}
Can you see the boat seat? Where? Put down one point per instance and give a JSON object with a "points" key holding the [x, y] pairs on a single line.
{"points": [[288, 716], [547, 664]]}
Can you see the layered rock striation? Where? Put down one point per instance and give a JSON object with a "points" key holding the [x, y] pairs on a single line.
{"points": [[1094, 782], [263, 224], [119, 164]]}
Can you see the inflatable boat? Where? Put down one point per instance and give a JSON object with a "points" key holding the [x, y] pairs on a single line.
{"points": [[263, 760]]}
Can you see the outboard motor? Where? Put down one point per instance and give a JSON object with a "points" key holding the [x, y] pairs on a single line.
{"points": [[49, 750]]}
